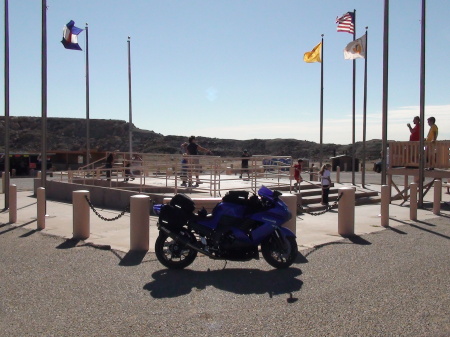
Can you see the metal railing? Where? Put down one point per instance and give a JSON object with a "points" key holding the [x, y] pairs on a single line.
{"points": [[215, 173]]}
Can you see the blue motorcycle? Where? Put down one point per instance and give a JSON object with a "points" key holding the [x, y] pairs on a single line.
{"points": [[235, 229]]}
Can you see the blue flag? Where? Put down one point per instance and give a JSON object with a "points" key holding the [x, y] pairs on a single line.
{"points": [[70, 36]]}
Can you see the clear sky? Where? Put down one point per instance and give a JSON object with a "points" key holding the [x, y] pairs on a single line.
{"points": [[231, 68]]}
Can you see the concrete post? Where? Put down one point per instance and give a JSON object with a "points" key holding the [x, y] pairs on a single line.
{"points": [[389, 182], [346, 211], [291, 202], [385, 201], [81, 215], [437, 196], [41, 208], [338, 174], [12, 203], [39, 175], [139, 222], [413, 202]]}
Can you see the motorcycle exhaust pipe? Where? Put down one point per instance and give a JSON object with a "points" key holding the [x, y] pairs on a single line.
{"points": [[185, 242]]}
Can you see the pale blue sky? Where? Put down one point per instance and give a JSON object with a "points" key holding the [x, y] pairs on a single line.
{"points": [[228, 68]]}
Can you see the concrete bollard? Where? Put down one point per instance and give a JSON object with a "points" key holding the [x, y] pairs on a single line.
{"points": [[39, 174], [81, 215], [41, 208], [338, 174], [437, 196], [291, 202], [139, 222], [12, 203], [413, 201], [346, 211], [385, 201]]}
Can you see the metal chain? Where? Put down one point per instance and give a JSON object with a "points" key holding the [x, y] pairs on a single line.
{"points": [[127, 209], [327, 209]]}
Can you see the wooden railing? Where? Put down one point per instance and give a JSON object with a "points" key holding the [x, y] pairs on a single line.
{"points": [[406, 154]]}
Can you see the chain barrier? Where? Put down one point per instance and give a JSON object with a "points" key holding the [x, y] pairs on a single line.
{"points": [[127, 209], [327, 209]]}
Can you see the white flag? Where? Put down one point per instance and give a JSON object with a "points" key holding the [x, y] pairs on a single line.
{"points": [[356, 49]]}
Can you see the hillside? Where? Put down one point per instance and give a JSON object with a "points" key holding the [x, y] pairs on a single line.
{"points": [[69, 134]]}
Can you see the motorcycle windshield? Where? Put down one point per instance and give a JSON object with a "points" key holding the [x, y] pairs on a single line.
{"points": [[265, 192]]}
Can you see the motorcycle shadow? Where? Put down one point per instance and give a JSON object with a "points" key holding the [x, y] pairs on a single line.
{"points": [[173, 283]]}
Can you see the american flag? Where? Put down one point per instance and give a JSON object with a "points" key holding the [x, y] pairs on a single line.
{"points": [[346, 23]]}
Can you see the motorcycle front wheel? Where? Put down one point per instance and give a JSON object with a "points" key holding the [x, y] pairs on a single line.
{"points": [[172, 254], [276, 255]]}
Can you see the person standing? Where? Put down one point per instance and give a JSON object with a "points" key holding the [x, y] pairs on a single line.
{"points": [[415, 131], [192, 149], [433, 132], [325, 177], [244, 164], [430, 148], [109, 165], [298, 173]]}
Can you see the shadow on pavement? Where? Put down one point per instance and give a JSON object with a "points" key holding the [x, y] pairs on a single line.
{"points": [[15, 226], [132, 258], [398, 231], [69, 243], [358, 240], [354, 239], [301, 258], [422, 228], [29, 233], [173, 283]]}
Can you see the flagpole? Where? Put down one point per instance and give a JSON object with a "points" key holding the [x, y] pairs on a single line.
{"points": [[321, 103], [385, 90], [422, 105], [130, 131], [363, 178], [6, 158], [353, 105], [88, 149], [44, 95]]}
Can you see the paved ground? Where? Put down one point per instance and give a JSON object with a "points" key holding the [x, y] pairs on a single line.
{"points": [[393, 282]]}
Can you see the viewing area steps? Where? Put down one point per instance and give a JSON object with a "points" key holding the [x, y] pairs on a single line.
{"points": [[311, 202]]}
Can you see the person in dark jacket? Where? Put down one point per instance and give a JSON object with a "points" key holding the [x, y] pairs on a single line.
{"points": [[192, 149]]}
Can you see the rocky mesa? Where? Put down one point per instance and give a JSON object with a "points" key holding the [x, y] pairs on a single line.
{"points": [[69, 134]]}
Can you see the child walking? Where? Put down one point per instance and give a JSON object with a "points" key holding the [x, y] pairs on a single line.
{"points": [[325, 177], [297, 172]]}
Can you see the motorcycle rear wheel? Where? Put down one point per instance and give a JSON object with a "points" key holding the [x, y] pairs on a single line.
{"points": [[172, 254], [275, 255]]}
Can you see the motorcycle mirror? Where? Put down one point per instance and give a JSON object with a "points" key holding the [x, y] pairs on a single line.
{"points": [[276, 194]]}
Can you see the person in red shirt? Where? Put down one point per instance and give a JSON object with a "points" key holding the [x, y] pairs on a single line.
{"points": [[297, 172], [415, 131]]}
